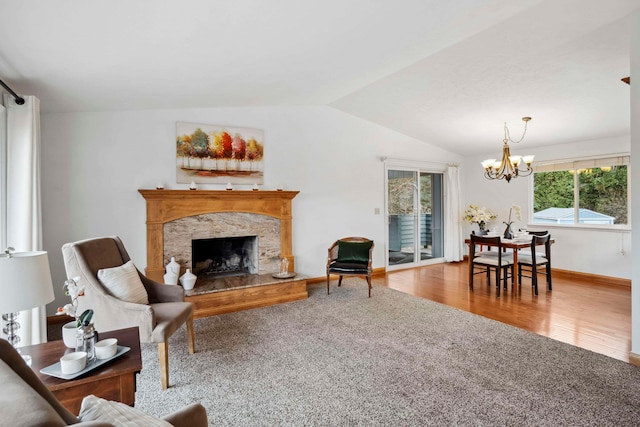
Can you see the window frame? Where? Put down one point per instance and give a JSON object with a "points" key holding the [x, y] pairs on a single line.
{"points": [[621, 159]]}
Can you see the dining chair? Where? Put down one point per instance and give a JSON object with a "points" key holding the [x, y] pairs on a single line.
{"points": [[536, 263], [485, 250], [527, 251], [501, 262]]}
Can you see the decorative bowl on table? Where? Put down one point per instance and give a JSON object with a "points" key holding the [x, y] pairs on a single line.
{"points": [[106, 348], [74, 362]]}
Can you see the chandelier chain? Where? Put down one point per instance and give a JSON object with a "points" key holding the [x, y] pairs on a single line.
{"points": [[507, 136]]}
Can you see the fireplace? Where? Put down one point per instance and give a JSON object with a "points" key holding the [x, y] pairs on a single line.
{"points": [[176, 217], [223, 257]]}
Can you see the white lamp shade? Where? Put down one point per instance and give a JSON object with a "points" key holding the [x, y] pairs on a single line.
{"points": [[25, 281]]}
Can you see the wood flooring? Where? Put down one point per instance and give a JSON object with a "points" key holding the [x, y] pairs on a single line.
{"points": [[588, 314]]}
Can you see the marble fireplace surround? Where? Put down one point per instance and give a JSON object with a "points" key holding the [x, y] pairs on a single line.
{"points": [[175, 217]]}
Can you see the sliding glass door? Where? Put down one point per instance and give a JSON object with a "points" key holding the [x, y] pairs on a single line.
{"points": [[414, 217]]}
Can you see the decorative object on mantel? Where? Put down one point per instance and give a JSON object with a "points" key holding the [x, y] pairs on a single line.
{"points": [[229, 187], [192, 186], [509, 166], [188, 280], [481, 216], [255, 187], [214, 154], [279, 188], [508, 233], [160, 186]]}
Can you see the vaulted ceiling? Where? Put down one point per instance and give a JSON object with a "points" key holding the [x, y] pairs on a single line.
{"points": [[445, 72]]}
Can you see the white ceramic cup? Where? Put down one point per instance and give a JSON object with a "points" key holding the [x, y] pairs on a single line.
{"points": [[74, 362], [106, 348], [69, 332]]}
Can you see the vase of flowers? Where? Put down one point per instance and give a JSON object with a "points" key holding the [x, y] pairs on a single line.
{"points": [[480, 216], [73, 289], [508, 233]]}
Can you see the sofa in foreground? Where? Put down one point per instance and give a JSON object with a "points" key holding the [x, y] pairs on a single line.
{"points": [[26, 401]]}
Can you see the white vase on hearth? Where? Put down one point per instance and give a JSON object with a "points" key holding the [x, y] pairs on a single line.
{"points": [[173, 267], [170, 278], [188, 280]]}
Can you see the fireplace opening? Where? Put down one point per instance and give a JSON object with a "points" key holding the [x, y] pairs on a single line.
{"points": [[226, 256]]}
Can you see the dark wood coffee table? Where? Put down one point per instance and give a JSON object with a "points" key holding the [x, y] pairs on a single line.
{"points": [[115, 380]]}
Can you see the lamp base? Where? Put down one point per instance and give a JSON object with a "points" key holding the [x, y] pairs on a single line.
{"points": [[10, 329]]}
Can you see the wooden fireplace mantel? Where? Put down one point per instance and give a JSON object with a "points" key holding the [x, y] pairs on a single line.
{"points": [[168, 205]]}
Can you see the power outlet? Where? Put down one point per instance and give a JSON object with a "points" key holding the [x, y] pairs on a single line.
{"points": [[376, 211]]}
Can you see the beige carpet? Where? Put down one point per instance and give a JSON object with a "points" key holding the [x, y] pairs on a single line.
{"points": [[392, 359]]}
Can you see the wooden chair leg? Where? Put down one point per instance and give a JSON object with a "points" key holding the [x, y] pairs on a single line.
{"points": [[340, 281], [497, 280], [328, 283], [163, 359], [471, 275], [548, 276], [520, 275], [191, 340], [534, 278], [369, 282]]}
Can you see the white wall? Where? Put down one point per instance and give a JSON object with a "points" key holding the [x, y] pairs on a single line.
{"points": [[593, 251], [94, 163]]}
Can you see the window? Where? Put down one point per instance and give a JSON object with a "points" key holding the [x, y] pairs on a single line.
{"points": [[592, 191]]}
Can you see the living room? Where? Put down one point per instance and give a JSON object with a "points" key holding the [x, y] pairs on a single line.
{"points": [[95, 157]]}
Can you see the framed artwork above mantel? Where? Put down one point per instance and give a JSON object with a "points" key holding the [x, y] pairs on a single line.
{"points": [[214, 154]]}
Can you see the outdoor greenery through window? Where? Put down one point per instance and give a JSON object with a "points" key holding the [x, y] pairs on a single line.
{"points": [[582, 192]]}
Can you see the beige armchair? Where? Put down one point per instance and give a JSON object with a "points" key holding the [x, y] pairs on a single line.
{"points": [[165, 313]]}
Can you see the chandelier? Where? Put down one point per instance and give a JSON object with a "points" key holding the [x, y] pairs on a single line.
{"points": [[510, 166]]}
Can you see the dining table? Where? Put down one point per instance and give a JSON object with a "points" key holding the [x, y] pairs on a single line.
{"points": [[515, 244]]}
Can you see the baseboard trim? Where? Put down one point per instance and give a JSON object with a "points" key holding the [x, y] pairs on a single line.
{"points": [[634, 358], [590, 278]]}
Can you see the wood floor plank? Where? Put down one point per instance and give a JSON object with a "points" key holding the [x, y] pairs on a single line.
{"points": [[594, 316]]}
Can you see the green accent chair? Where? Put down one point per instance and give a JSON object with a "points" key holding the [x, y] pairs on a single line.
{"points": [[350, 256]]}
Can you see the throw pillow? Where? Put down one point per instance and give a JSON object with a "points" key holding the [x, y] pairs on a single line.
{"points": [[124, 283], [354, 251], [117, 413]]}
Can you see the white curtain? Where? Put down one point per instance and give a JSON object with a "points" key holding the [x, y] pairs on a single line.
{"points": [[21, 207], [453, 213]]}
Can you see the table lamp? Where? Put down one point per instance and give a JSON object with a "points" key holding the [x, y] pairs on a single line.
{"points": [[25, 283]]}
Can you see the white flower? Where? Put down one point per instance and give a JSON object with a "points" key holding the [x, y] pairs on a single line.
{"points": [[74, 289], [477, 215], [516, 209]]}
